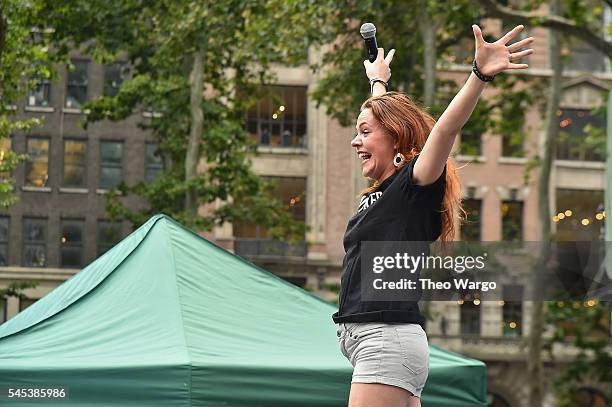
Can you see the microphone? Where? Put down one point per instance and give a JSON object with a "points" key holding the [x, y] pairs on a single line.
{"points": [[368, 32]]}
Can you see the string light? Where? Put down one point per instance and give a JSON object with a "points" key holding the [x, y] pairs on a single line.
{"points": [[275, 116], [555, 218], [476, 301], [282, 108], [561, 215], [512, 324], [599, 216], [460, 302], [585, 222], [568, 213]]}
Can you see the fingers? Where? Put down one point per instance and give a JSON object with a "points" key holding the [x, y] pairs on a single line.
{"points": [[478, 35], [381, 54], [519, 55], [511, 34], [517, 66], [389, 57], [518, 45]]}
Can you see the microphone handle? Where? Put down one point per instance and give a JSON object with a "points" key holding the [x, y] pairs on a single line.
{"points": [[372, 48]]}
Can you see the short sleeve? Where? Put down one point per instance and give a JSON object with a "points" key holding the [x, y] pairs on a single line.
{"points": [[432, 194]]}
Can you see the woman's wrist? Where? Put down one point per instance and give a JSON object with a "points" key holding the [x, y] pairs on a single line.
{"points": [[378, 89]]}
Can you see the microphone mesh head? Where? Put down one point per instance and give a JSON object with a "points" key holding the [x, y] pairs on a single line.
{"points": [[367, 30]]}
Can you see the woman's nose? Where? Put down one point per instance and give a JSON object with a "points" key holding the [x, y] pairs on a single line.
{"points": [[356, 141]]}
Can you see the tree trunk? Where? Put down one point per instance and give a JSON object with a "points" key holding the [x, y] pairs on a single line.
{"points": [[534, 362], [195, 134], [2, 35], [428, 32]]}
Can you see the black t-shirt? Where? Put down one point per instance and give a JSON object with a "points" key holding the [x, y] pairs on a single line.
{"points": [[398, 210]]}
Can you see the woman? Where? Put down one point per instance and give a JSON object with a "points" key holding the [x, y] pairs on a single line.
{"points": [[415, 197]]}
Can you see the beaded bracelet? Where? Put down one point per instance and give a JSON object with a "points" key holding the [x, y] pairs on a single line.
{"points": [[480, 75]]}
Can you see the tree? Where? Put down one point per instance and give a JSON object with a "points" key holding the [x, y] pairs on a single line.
{"points": [[23, 63], [199, 65], [581, 20]]}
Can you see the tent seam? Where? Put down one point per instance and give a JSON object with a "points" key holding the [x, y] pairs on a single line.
{"points": [[178, 293]]}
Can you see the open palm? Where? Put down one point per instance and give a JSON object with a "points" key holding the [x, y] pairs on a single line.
{"points": [[495, 57]]}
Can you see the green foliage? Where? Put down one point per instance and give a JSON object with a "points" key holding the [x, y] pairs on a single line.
{"points": [[16, 288], [240, 40], [586, 326], [343, 85], [24, 58]]}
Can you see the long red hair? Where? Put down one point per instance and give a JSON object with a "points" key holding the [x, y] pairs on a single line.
{"points": [[410, 126]]}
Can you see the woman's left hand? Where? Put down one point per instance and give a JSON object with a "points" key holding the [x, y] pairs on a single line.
{"points": [[495, 57]]}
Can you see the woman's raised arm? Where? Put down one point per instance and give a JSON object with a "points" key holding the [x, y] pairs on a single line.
{"points": [[491, 59]]}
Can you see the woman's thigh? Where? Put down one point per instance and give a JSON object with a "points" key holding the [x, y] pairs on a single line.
{"points": [[381, 395]]}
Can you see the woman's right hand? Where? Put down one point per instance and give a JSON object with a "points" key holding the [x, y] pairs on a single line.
{"points": [[380, 67]]}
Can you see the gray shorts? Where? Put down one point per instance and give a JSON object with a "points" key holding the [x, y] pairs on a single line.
{"points": [[396, 354]]}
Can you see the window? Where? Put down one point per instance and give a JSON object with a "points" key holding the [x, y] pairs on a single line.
{"points": [[76, 85], [583, 57], [75, 163], [2, 310], [470, 229], [37, 167], [279, 119], [575, 141], [153, 162], [253, 240], [114, 75], [109, 234], [470, 318], [512, 221], [580, 215], [5, 148], [512, 145], [40, 96], [463, 51], [513, 318], [111, 158], [35, 242], [470, 143], [292, 192], [71, 243], [4, 240], [26, 302]]}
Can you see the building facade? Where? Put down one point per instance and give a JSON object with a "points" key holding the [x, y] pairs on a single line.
{"points": [[59, 224]]}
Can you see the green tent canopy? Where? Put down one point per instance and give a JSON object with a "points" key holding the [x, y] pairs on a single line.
{"points": [[166, 318]]}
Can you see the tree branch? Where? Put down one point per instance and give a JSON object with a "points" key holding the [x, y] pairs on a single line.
{"points": [[494, 10]]}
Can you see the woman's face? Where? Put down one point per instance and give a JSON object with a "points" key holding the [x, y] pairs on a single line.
{"points": [[375, 148]]}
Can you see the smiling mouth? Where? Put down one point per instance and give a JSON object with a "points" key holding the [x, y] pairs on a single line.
{"points": [[364, 157]]}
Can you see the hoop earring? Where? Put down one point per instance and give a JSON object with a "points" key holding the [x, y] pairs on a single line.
{"points": [[399, 159]]}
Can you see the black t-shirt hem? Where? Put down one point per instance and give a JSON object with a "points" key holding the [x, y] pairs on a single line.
{"points": [[412, 317]]}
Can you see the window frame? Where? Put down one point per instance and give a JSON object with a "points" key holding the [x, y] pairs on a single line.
{"points": [[111, 165], [30, 163], [44, 242]]}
